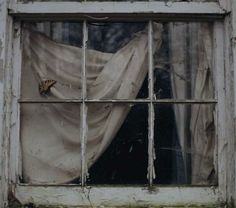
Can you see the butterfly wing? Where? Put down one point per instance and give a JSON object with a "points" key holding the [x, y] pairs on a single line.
{"points": [[44, 86]]}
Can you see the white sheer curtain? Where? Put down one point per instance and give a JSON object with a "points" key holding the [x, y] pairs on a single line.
{"points": [[202, 116], [50, 133], [178, 35], [191, 77]]}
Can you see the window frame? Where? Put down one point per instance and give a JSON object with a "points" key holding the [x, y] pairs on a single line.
{"points": [[90, 196]]}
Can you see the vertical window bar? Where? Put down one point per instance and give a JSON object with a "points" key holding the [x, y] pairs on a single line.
{"points": [[151, 152], [83, 126], [15, 152], [187, 142], [221, 117]]}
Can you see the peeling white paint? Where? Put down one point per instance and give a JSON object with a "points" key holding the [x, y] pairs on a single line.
{"points": [[84, 109], [3, 144], [117, 196], [151, 114], [86, 7], [231, 26], [225, 5]]}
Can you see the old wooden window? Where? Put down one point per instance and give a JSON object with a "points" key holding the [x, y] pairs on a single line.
{"points": [[111, 93]]}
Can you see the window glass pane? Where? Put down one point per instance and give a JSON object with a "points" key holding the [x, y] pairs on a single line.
{"points": [[183, 66], [117, 57], [185, 144], [50, 143], [52, 58], [118, 134]]}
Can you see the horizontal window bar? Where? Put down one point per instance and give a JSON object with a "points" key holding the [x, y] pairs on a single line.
{"points": [[49, 101], [108, 9], [177, 101]]}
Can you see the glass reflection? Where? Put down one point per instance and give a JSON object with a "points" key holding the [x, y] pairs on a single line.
{"points": [[185, 144], [117, 60], [51, 65], [50, 143], [125, 160], [183, 66]]}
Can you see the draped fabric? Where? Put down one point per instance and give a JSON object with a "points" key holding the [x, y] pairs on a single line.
{"points": [[179, 81], [202, 116], [192, 77], [50, 134]]}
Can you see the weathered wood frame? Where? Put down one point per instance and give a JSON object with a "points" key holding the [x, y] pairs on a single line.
{"points": [[75, 196], [6, 37]]}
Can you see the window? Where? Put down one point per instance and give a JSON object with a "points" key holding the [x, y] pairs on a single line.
{"points": [[104, 99], [115, 69]]}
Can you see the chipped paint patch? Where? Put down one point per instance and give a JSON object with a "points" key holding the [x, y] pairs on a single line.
{"points": [[224, 5], [1, 47], [1, 70], [1, 60], [1, 6]]}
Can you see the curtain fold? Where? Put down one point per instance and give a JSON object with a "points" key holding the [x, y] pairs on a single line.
{"points": [[50, 134], [179, 82], [202, 123], [191, 77]]}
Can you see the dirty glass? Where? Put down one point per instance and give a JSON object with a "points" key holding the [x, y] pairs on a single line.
{"points": [[52, 57], [125, 161], [185, 144], [121, 49], [50, 139], [183, 67]]}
